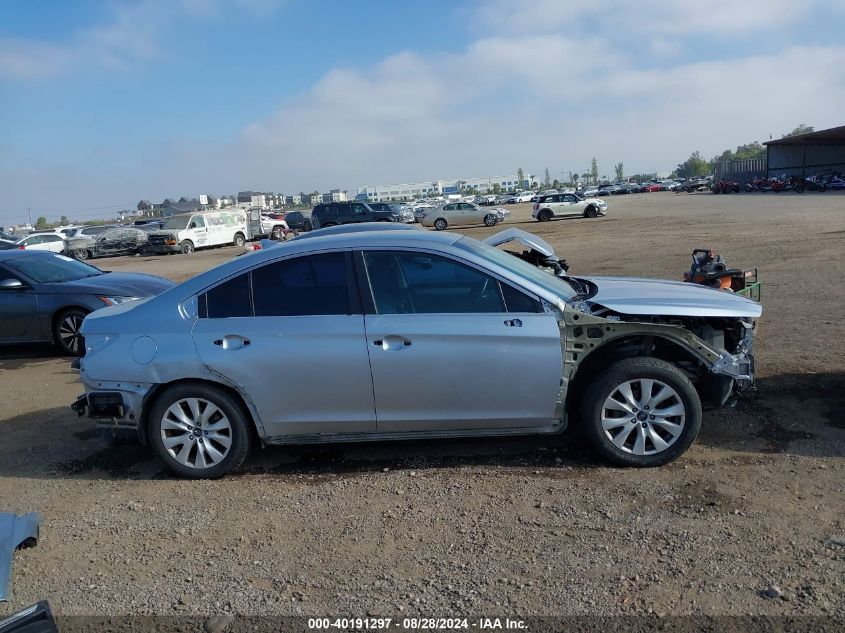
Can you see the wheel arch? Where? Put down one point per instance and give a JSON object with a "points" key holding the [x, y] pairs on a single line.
{"points": [[248, 411]]}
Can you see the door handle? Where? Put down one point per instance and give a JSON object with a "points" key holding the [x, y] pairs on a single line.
{"points": [[514, 323], [392, 343], [232, 341]]}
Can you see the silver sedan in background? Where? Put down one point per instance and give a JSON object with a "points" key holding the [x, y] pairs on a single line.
{"points": [[405, 334], [462, 213]]}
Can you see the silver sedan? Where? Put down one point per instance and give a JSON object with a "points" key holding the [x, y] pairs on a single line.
{"points": [[403, 334], [460, 213]]}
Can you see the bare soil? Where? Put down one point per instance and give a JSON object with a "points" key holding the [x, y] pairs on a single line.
{"points": [[508, 527]]}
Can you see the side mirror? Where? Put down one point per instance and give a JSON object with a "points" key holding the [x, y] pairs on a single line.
{"points": [[11, 284], [192, 225]]}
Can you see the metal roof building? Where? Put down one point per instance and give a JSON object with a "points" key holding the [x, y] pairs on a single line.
{"points": [[821, 152]]}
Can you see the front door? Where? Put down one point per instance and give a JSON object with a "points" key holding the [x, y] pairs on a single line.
{"points": [[18, 310], [199, 231], [452, 348], [291, 334]]}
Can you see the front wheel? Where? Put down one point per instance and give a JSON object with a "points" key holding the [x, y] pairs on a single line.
{"points": [[641, 412], [306, 226], [277, 234], [239, 240], [66, 333], [590, 212], [440, 224], [490, 220], [187, 247], [81, 254], [198, 431]]}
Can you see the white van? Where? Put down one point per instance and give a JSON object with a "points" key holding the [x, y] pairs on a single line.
{"points": [[186, 232]]}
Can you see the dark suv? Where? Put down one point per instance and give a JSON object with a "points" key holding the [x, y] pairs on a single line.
{"points": [[332, 213]]}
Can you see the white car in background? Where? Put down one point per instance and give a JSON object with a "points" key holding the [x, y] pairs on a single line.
{"points": [[524, 196], [561, 204], [40, 242]]}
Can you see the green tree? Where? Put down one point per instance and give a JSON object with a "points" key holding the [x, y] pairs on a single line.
{"points": [[693, 166], [619, 168], [41, 223], [556, 184], [547, 178], [497, 188], [594, 171], [801, 129], [63, 220], [520, 178]]}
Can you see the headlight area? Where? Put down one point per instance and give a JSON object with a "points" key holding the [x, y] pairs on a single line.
{"points": [[116, 301]]}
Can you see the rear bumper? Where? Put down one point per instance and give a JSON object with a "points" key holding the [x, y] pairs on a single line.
{"points": [[161, 249]]}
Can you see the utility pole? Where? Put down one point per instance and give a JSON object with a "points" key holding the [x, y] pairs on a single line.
{"points": [[29, 212]]}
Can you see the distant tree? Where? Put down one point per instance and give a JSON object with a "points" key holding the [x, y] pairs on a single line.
{"points": [[520, 178], [41, 223], [547, 179], [497, 188], [801, 129], [63, 220], [694, 166], [573, 179], [586, 176], [556, 184], [619, 168], [594, 171]]}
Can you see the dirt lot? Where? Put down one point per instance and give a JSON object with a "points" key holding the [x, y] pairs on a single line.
{"points": [[506, 527]]}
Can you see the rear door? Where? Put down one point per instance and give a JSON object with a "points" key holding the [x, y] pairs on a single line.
{"points": [[291, 334], [452, 348]]}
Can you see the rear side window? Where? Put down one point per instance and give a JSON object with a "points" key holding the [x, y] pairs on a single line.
{"points": [[229, 299], [311, 285]]}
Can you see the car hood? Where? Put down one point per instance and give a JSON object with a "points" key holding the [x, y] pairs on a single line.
{"points": [[116, 284], [637, 296], [523, 237]]}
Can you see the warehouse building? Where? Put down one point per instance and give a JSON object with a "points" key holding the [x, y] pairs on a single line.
{"points": [[409, 191], [816, 153]]}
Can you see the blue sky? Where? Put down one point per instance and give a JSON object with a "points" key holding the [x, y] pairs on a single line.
{"points": [[103, 103]]}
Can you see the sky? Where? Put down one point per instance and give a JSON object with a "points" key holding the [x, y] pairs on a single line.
{"points": [[107, 102]]}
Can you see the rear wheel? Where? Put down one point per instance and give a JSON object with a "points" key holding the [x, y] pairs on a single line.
{"points": [[545, 215], [66, 333], [306, 226], [187, 247], [277, 233], [440, 224], [239, 240], [490, 220], [198, 431], [641, 412], [328, 224]]}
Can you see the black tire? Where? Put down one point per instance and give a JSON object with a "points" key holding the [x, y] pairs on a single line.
{"points": [[66, 335], [239, 240], [187, 247], [590, 212], [490, 220], [631, 369], [440, 224], [277, 234], [328, 224], [544, 215], [81, 254], [239, 434], [306, 226]]}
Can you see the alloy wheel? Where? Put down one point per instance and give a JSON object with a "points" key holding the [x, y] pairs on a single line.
{"points": [[643, 416], [196, 433], [69, 334]]}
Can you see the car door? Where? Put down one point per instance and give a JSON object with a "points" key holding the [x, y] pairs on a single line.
{"points": [[453, 349], [291, 334], [107, 242], [472, 212], [18, 309], [199, 231]]}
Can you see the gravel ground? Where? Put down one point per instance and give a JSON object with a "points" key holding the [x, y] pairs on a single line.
{"points": [[749, 521]]}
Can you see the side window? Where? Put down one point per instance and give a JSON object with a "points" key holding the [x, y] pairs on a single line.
{"points": [[419, 283], [198, 221], [50, 238], [229, 299], [359, 209], [310, 285], [34, 239], [518, 301]]}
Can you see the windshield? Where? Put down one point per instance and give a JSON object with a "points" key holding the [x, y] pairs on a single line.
{"points": [[176, 223], [52, 268], [517, 267]]}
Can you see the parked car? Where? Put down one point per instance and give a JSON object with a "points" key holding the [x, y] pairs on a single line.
{"points": [[298, 221], [274, 225], [562, 204], [38, 242], [404, 213], [333, 213], [87, 231], [522, 196], [44, 297], [590, 192], [421, 209], [654, 186], [415, 335], [126, 240], [459, 213], [186, 232]]}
